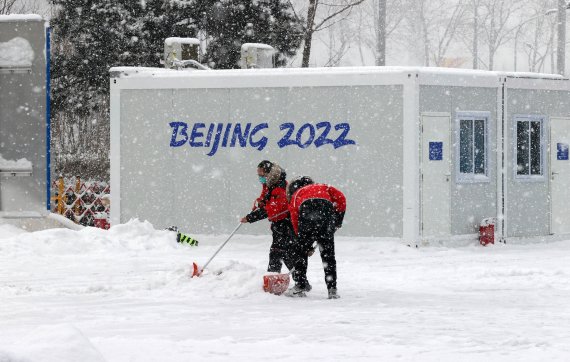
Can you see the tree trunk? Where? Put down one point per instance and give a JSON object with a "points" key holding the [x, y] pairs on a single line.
{"points": [[381, 37], [476, 34], [561, 56], [424, 26], [311, 12]]}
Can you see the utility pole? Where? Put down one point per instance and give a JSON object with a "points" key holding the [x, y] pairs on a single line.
{"points": [[561, 53]]}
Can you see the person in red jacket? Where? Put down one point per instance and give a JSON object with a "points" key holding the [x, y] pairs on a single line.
{"points": [[317, 211], [272, 205]]}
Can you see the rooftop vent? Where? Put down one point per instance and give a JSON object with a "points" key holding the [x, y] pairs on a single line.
{"points": [[257, 55], [182, 52]]}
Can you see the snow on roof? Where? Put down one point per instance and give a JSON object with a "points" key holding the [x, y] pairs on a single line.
{"points": [[16, 52], [20, 17], [173, 40], [288, 77], [19, 165], [162, 72], [532, 75], [246, 46]]}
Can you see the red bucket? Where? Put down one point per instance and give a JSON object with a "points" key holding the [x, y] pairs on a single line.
{"points": [[487, 231], [100, 221]]}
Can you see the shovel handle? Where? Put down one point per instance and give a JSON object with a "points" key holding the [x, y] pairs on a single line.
{"points": [[220, 248]]}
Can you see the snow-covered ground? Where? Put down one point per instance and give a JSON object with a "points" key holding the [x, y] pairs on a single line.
{"points": [[125, 295]]}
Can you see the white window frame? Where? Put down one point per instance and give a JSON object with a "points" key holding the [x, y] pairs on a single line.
{"points": [[543, 161], [471, 177]]}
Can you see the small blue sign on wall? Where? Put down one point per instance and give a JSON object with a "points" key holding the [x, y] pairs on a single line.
{"points": [[436, 151], [562, 154]]}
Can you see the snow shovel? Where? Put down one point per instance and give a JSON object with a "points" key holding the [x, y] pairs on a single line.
{"points": [[277, 284], [197, 270]]}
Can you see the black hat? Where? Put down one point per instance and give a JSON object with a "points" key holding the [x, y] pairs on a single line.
{"points": [[297, 183], [265, 165]]}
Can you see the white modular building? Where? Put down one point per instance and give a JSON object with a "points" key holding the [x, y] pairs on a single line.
{"points": [[24, 116], [422, 154]]}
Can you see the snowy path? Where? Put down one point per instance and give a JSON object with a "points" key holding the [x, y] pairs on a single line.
{"points": [[125, 295]]}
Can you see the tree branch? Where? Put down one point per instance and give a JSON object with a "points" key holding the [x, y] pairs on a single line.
{"points": [[338, 12]]}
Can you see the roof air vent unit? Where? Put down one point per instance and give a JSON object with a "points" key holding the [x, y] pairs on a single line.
{"points": [[180, 52], [256, 55]]}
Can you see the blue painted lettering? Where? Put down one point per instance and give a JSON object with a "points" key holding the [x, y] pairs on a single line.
{"points": [[218, 135], [262, 141], [342, 140], [195, 134], [209, 136], [308, 142], [216, 139], [226, 134], [175, 131], [242, 137]]}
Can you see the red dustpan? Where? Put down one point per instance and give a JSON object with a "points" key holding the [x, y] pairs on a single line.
{"points": [[196, 271], [277, 283]]}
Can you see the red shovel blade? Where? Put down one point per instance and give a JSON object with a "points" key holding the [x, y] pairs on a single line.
{"points": [[196, 272], [276, 284]]}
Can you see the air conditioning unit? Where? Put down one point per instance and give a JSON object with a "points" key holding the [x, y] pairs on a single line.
{"points": [[257, 55], [179, 52]]}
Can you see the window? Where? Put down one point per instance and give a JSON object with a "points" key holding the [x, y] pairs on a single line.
{"points": [[472, 150], [529, 153]]}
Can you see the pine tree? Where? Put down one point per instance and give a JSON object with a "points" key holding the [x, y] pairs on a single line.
{"points": [[90, 37], [228, 24]]}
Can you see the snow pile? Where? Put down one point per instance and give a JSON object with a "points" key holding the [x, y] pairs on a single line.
{"points": [[16, 53], [126, 295], [11, 165], [134, 236], [53, 344], [8, 231]]}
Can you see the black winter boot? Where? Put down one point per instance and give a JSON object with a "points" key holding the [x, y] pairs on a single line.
{"points": [[333, 294]]}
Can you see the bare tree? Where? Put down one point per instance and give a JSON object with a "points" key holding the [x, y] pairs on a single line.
{"points": [[432, 26], [494, 22], [318, 20], [6, 6], [19, 7], [470, 32], [537, 40], [561, 54], [475, 49], [381, 31], [339, 42], [369, 37], [446, 31]]}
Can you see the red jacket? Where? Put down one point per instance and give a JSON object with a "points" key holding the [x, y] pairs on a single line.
{"points": [[275, 208], [317, 191]]}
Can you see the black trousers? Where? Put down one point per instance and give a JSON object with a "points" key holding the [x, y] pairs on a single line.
{"points": [[283, 239], [316, 224]]}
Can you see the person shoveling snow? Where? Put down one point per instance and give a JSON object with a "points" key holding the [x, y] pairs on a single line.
{"points": [[317, 211]]}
